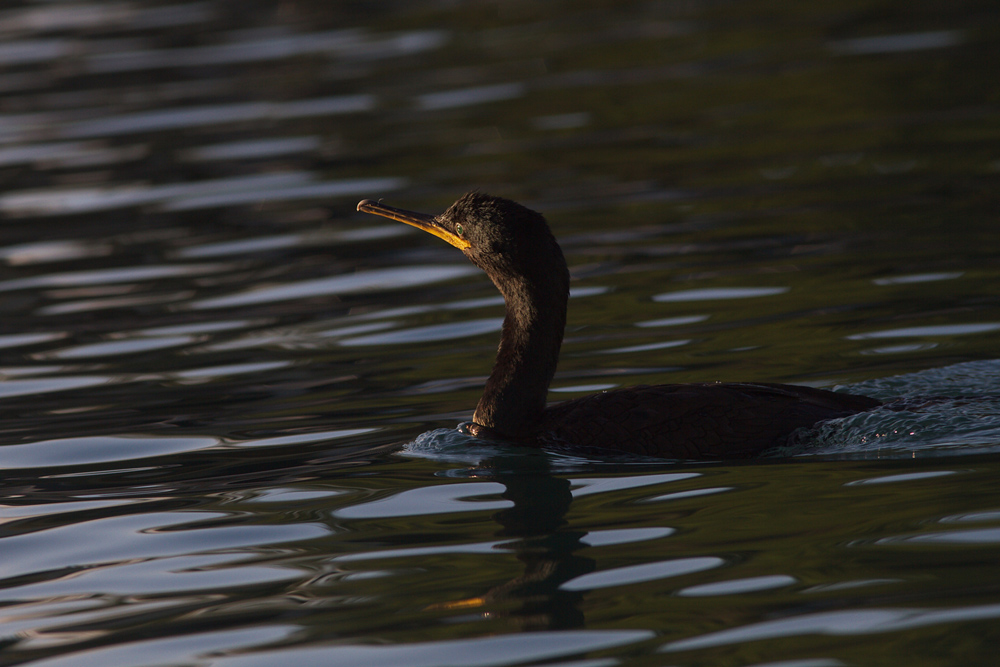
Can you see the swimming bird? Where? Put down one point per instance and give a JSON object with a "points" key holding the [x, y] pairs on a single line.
{"points": [[513, 245]]}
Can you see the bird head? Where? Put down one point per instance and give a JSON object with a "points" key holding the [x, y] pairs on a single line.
{"points": [[498, 235]]}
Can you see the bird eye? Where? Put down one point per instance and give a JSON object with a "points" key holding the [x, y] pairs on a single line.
{"points": [[459, 230]]}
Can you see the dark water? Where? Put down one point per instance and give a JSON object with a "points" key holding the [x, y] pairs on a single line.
{"points": [[227, 399]]}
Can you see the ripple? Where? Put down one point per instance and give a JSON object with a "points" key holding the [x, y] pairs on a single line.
{"points": [[24, 340], [28, 371], [281, 241], [635, 574], [60, 624], [918, 278], [846, 623], [590, 388], [427, 334], [31, 51], [673, 321], [73, 200], [590, 486], [114, 348], [214, 114], [175, 650], [155, 535], [851, 584], [111, 303], [483, 548], [451, 99], [692, 493], [604, 538], [252, 149], [914, 41], [127, 274], [522, 648], [53, 251], [11, 388], [257, 244], [302, 438], [662, 345], [978, 536], [345, 42], [208, 193], [174, 575], [290, 495], [430, 500], [739, 586], [62, 510], [904, 477], [355, 329], [216, 372], [68, 154], [292, 338], [453, 446], [972, 517], [562, 121], [365, 281], [899, 349], [202, 327], [933, 330], [323, 190], [716, 293], [78, 16], [96, 449]]}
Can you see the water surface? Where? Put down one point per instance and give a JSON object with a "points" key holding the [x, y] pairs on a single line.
{"points": [[228, 400]]}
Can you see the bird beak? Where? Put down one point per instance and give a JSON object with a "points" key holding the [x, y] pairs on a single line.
{"points": [[427, 223]]}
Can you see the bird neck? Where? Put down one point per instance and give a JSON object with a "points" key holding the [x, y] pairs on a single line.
{"points": [[514, 395]]}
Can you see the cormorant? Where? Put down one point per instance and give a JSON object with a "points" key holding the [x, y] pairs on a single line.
{"points": [[516, 249]]}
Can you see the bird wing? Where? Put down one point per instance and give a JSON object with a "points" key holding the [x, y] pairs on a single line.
{"points": [[694, 420]]}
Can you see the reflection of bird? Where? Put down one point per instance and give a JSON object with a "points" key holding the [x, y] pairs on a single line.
{"points": [[515, 248]]}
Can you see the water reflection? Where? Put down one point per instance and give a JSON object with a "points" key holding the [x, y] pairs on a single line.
{"points": [[53, 251], [480, 652], [715, 293], [253, 47], [209, 193], [111, 276], [110, 303], [79, 451], [365, 281], [636, 574], [83, 16], [468, 96], [435, 332], [217, 114], [918, 278], [739, 586], [917, 41], [647, 347], [839, 623], [23, 340], [279, 242], [70, 154], [930, 330], [114, 348], [10, 388], [533, 505], [208, 474], [252, 149]]}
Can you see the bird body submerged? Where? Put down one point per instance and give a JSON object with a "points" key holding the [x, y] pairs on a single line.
{"points": [[695, 421], [515, 248]]}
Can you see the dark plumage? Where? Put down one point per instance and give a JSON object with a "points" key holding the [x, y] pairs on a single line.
{"points": [[515, 248]]}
